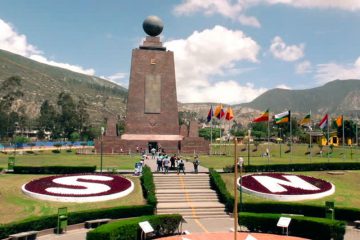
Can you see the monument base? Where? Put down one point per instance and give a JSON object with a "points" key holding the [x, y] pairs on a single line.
{"points": [[169, 143]]}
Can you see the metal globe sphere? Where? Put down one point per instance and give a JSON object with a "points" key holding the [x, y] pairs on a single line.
{"points": [[153, 26]]}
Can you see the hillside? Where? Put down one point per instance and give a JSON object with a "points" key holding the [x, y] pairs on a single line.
{"points": [[42, 81], [340, 96]]}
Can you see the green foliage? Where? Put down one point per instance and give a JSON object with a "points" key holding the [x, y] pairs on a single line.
{"points": [[20, 140], [298, 167], [53, 169], [40, 223], [307, 227], [164, 225], [206, 133], [148, 186], [218, 184]]}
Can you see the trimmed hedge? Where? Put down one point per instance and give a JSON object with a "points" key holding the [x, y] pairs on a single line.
{"points": [[298, 167], [164, 225], [307, 227], [148, 186], [53, 169], [45, 222], [217, 183]]}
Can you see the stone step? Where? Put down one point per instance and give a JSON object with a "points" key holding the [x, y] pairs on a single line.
{"points": [[182, 191], [196, 209], [180, 188], [172, 181], [184, 205], [184, 200]]}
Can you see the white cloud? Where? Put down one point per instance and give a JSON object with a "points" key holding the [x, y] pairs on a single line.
{"points": [[17, 43], [210, 53], [118, 78], [349, 5], [283, 86], [331, 71], [303, 67], [284, 52], [249, 21]]}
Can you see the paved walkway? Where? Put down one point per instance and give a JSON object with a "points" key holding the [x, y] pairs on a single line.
{"points": [[189, 167], [230, 236]]}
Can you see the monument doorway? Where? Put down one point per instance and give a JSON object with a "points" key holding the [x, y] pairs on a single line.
{"points": [[153, 145]]}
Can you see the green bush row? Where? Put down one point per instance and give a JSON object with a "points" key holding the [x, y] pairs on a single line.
{"points": [[218, 184], [307, 227], [53, 169], [148, 186], [163, 225], [298, 167], [45, 222]]}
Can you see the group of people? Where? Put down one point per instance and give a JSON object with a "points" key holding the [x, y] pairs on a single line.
{"points": [[164, 163]]}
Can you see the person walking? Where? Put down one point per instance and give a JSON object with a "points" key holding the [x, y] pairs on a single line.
{"points": [[181, 166], [172, 161], [159, 163], [153, 151], [166, 163], [196, 164]]}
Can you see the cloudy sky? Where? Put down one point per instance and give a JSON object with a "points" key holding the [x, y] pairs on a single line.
{"points": [[226, 51]]}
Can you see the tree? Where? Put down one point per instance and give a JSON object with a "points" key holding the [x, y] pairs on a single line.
{"points": [[82, 114], [206, 133], [68, 119], [47, 117]]}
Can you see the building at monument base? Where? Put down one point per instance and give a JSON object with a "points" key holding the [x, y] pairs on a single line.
{"points": [[152, 118]]}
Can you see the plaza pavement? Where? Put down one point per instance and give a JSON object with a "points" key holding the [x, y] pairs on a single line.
{"points": [[194, 224]]}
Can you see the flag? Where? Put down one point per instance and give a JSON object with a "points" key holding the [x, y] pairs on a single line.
{"points": [[339, 121], [306, 120], [324, 121], [210, 114], [219, 111], [282, 117], [263, 118], [229, 114]]}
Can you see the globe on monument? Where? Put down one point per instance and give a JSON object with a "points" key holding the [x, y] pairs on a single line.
{"points": [[153, 26]]}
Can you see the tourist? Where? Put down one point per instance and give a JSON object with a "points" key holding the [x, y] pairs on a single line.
{"points": [[153, 151], [181, 166], [172, 161], [166, 163], [196, 164], [137, 149], [159, 162]]}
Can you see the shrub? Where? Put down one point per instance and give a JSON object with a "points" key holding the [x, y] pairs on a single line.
{"points": [[307, 227], [217, 183], [164, 225], [148, 186], [45, 222], [29, 152], [53, 169], [56, 151], [298, 167]]}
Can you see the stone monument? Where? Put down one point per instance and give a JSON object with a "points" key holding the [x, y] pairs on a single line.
{"points": [[152, 110]]}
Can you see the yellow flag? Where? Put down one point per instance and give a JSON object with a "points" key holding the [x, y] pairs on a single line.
{"points": [[339, 121]]}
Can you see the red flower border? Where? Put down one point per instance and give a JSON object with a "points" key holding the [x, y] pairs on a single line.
{"points": [[250, 183], [118, 184]]}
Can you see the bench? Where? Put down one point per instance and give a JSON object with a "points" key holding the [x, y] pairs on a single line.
{"points": [[31, 235], [357, 224], [96, 222]]}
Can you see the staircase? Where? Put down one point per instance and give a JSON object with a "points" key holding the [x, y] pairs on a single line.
{"points": [[189, 195]]}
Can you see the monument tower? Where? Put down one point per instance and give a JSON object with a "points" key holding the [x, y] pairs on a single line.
{"points": [[152, 112], [152, 118]]}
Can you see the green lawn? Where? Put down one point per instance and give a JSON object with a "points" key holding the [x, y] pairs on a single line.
{"points": [[346, 194], [47, 158], [16, 206]]}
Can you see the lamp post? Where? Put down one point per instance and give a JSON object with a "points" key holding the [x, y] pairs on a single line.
{"points": [[249, 135], [241, 162], [235, 210], [101, 148], [280, 140]]}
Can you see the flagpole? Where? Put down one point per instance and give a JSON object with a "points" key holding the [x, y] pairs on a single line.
{"points": [[291, 139], [211, 136], [343, 135], [328, 137], [310, 138], [268, 140]]}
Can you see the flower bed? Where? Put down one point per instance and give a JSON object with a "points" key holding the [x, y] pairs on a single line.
{"points": [[79, 188], [286, 187]]}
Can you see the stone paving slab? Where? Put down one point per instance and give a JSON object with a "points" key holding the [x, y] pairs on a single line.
{"points": [[192, 204], [78, 234]]}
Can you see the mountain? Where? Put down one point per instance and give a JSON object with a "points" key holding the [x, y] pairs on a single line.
{"points": [[41, 81], [339, 96]]}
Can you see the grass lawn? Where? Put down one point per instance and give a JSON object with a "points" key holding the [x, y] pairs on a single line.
{"points": [[14, 205], [47, 158], [346, 194]]}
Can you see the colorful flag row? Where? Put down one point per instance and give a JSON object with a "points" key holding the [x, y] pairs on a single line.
{"points": [[220, 113]]}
